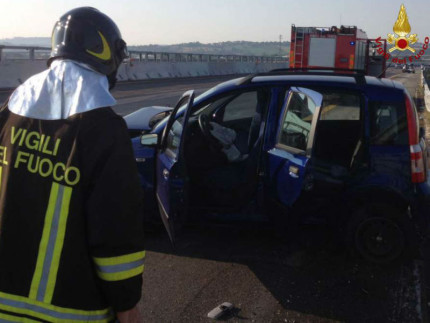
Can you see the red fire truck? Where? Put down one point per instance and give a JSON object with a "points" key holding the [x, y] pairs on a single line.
{"points": [[346, 47]]}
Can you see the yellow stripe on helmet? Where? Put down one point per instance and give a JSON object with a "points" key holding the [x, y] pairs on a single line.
{"points": [[106, 52]]}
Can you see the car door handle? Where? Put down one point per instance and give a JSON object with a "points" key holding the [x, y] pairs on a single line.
{"points": [[165, 173], [293, 175], [294, 171]]}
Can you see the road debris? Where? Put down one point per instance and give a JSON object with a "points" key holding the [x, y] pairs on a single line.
{"points": [[220, 310]]}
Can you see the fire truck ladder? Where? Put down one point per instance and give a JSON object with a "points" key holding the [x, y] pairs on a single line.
{"points": [[299, 47]]}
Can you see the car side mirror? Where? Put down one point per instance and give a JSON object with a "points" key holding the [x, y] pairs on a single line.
{"points": [[149, 140]]}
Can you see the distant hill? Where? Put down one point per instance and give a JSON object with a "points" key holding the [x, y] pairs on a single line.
{"points": [[222, 48], [27, 41]]}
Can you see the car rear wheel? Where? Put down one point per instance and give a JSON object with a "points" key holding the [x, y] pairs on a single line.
{"points": [[380, 234]]}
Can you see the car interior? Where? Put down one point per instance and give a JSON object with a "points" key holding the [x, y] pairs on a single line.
{"points": [[337, 147], [337, 138], [216, 179], [338, 130]]}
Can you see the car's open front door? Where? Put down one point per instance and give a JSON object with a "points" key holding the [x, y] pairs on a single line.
{"points": [[171, 176], [288, 161]]}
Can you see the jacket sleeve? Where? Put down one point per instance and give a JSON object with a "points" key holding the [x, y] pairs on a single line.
{"points": [[114, 214]]}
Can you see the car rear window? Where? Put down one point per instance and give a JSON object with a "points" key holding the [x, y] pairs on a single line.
{"points": [[389, 124]]}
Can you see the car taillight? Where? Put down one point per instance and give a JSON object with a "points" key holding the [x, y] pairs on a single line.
{"points": [[417, 165], [417, 159]]}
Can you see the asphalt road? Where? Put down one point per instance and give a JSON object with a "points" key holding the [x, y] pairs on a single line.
{"points": [[410, 81], [310, 279], [133, 95], [270, 281], [166, 92]]}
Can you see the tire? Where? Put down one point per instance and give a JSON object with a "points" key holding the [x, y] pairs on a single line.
{"points": [[381, 234]]}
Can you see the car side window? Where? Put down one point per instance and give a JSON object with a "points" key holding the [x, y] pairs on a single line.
{"points": [[297, 121], [241, 107], [340, 106], [388, 124], [174, 136]]}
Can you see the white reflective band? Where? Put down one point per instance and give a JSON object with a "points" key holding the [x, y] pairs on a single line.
{"points": [[25, 306], [121, 267], [51, 244], [415, 149]]}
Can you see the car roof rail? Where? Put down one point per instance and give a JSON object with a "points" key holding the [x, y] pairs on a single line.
{"points": [[319, 69], [359, 75]]}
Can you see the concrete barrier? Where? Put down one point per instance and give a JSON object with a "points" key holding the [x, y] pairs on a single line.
{"points": [[15, 72], [427, 96], [426, 91]]}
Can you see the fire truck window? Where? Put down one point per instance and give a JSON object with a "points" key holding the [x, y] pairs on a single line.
{"points": [[340, 106]]}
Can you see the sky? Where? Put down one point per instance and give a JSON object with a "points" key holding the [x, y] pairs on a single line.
{"points": [[145, 22]]}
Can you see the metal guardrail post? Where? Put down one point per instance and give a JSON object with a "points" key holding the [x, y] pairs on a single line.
{"points": [[32, 54], [1, 53]]}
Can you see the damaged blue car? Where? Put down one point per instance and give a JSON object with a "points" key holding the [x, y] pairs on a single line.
{"points": [[291, 146]]}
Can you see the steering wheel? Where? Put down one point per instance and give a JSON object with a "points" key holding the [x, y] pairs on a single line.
{"points": [[205, 126]]}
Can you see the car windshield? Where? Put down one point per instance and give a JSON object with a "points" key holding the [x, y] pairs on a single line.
{"points": [[199, 98]]}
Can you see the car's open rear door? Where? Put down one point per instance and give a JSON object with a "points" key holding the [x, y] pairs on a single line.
{"points": [[171, 176]]}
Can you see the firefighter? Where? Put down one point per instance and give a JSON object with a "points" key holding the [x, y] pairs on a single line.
{"points": [[71, 240]]}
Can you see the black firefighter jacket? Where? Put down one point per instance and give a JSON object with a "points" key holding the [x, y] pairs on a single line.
{"points": [[71, 240]]}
